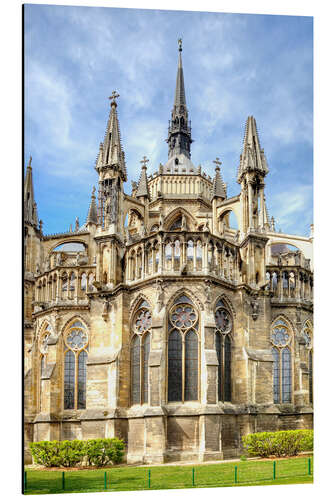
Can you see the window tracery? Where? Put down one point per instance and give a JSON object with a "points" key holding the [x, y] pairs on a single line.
{"points": [[140, 349], [75, 365], [183, 351], [223, 324], [307, 333], [281, 339]]}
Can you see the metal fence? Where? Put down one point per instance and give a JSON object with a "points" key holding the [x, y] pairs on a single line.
{"points": [[139, 478]]}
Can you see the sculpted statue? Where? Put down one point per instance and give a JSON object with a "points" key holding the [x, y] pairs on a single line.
{"points": [[255, 307], [183, 227], [161, 221], [159, 294]]}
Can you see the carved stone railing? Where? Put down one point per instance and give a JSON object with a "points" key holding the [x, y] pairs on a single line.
{"points": [[182, 253], [290, 283], [64, 285]]}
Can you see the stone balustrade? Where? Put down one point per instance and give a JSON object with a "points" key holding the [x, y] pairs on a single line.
{"points": [[289, 283], [183, 254]]}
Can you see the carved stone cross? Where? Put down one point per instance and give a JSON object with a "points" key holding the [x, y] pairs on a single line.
{"points": [[217, 162], [114, 96], [144, 161]]}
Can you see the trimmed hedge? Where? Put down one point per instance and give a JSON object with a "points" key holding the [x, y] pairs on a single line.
{"points": [[279, 444], [98, 452]]}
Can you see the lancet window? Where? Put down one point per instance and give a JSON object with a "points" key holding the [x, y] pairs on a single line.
{"points": [[281, 339], [307, 333], [183, 351], [223, 325], [43, 348], [75, 365], [140, 349]]}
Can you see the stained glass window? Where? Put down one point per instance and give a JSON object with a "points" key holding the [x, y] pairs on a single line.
{"points": [[310, 378], [282, 361], [183, 354], [223, 325], [218, 346], [140, 349], [176, 225], [175, 366], [191, 366], [227, 369], [135, 370], [286, 375], [82, 374], [276, 374], [146, 350], [69, 380], [75, 366]]}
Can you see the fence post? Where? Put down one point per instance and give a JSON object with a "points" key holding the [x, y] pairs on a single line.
{"points": [[193, 476], [25, 482], [274, 470], [149, 478], [105, 480], [63, 480], [309, 466], [235, 473]]}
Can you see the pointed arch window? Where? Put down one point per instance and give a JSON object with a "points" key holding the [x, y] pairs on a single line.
{"points": [[183, 351], [43, 349], [140, 349], [307, 333], [75, 365], [177, 224], [223, 325], [281, 339]]}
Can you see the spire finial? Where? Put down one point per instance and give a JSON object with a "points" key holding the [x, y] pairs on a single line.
{"points": [[144, 162], [217, 163], [180, 43], [113, 97], [30, 159], [93, 192]]}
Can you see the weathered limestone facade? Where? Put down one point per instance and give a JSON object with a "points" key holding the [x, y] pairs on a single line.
{"points": [[167, 327]]}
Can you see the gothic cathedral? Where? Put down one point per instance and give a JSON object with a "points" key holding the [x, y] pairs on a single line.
{"points": [[159, 322]]}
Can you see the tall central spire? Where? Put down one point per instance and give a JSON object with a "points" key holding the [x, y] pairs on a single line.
{"points": [[179, 133]]}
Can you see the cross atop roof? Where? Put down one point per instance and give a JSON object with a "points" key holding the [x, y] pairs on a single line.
{"points": [[217, 162], [113, 96], [144, 161]]}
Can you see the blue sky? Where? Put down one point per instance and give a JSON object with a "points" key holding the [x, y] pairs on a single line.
{"points": [[234, 66]]}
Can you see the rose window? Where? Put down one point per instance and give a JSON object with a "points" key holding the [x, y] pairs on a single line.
{"points": [[183, 316], [223, 320], [143, 320], [76, 339], [280, 336]]}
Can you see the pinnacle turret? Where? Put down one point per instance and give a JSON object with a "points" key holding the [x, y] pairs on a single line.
{"points": [[219, 187], [92, 216], [30, 206], [179, 133], [111, 153], [142, 189], [252, 157]]}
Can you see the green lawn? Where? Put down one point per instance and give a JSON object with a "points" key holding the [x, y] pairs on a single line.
{"points": [[288, 471]]}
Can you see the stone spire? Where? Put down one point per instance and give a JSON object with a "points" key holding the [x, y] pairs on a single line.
{"points": [[179, 133], [143, 189], [111, 153], [219, 187], [252, 157], [30, 206], [92, 216]]}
